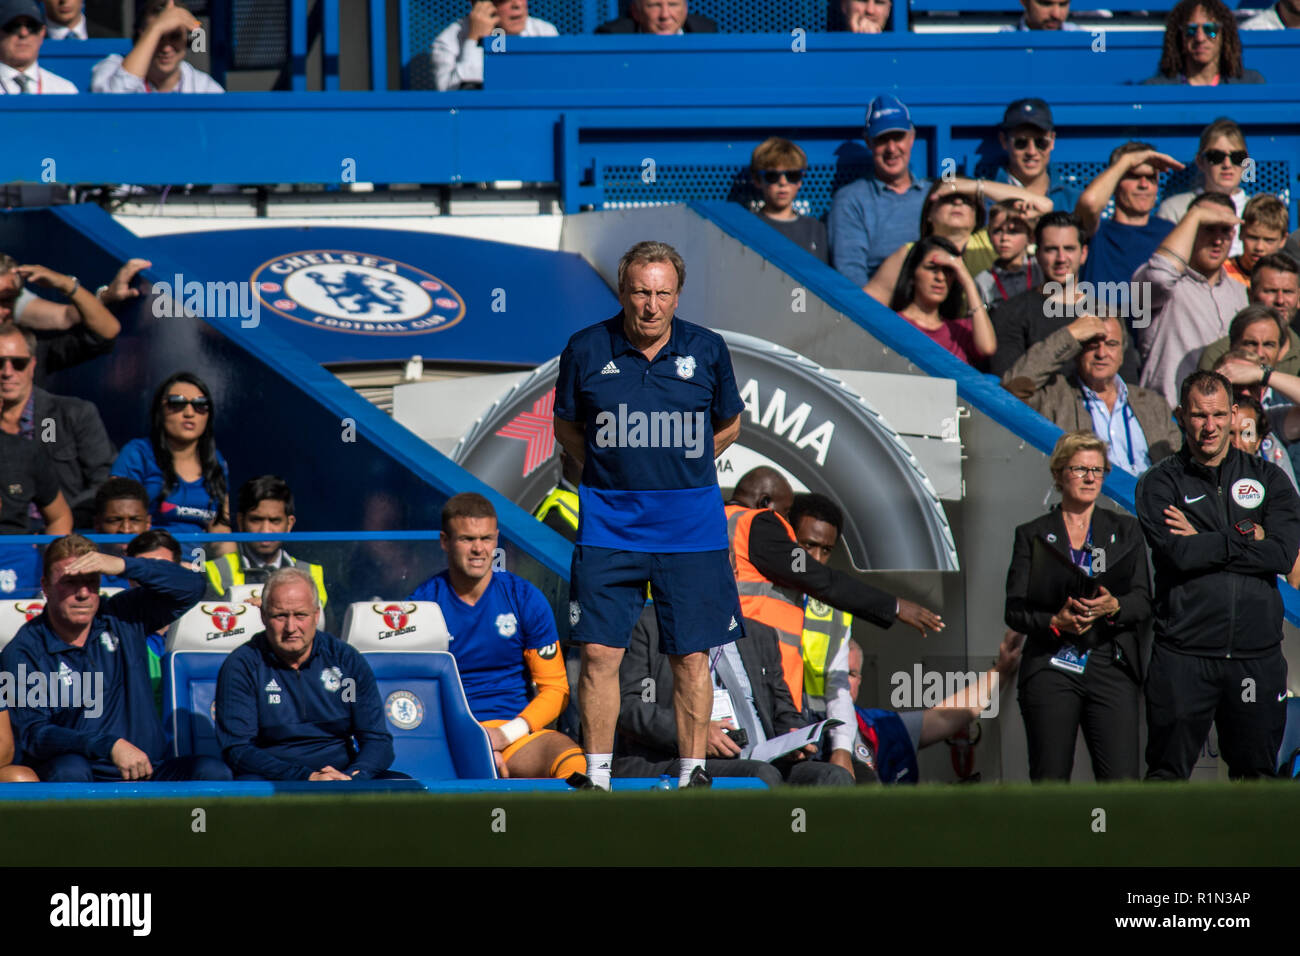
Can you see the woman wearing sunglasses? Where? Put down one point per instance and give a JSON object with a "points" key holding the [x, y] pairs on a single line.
{"points": [[933, 288], [955, 210], [1082, 597], [1221, 161], [178, 464], [1202, 47]]}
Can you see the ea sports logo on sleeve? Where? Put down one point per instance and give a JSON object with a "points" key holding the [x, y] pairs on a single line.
{"points": [[356, 293], [1247, 492]]}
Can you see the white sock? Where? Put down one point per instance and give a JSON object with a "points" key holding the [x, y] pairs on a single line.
{"points": [[598, 769], [686, 768]]}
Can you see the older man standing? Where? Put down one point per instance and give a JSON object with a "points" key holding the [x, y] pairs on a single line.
{"points": [[292, 700], [647, 401], [873, 216]]}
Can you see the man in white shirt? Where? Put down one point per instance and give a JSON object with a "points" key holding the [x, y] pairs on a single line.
{"points": [[66, 20], [1283, 15], [22, 30], [458, 50], [156, 64]]}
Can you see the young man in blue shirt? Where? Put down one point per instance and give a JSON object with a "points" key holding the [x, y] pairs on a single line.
{"points": [[503, 639], [647, 401], [291, 701], [98, 721]]}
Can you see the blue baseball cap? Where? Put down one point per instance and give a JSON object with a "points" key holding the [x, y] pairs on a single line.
{"points": [[887, 114]]}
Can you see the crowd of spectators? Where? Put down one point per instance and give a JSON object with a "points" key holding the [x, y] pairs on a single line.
{"points": [[155, 63]]}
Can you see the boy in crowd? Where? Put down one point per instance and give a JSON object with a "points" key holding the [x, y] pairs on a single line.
{"points": [[1263, 231], [1013, 271], [777, 168]]}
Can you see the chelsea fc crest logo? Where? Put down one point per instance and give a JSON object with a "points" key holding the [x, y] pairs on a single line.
{"points": [[686, 366], [356, 293], [404, 709]]}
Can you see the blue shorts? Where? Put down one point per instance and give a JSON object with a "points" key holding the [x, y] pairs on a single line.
{"points": [[695, 598]]}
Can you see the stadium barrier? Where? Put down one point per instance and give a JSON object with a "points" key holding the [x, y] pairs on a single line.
{"points": [[708, 62]]}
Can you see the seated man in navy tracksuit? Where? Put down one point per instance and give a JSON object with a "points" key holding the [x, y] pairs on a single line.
{"points": [[94, 718], [291, 701]]}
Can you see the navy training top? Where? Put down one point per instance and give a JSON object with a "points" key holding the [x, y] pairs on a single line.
{"points": [[649, 482], [286, 724], [117, 649]]}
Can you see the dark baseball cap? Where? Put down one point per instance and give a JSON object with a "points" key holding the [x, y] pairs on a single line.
{"points": [[13, 9], [1030, 112]]}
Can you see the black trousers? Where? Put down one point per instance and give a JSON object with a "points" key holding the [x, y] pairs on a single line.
{"points": [[1241, 697], [799, 773], [1103, 700]]}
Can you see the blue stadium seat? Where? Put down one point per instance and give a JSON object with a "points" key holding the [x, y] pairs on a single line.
{"points": [[435, 737], [189, 691]]}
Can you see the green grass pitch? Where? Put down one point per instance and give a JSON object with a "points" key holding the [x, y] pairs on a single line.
{"points": [[1053, 825]]}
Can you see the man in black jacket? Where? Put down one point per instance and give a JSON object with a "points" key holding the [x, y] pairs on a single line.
{"points": [[647, 742], [661, 17], [1222, 525], [76, 443]]}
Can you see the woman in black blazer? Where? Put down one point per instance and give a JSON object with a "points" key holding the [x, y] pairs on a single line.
{"points": [[1081, 664]]}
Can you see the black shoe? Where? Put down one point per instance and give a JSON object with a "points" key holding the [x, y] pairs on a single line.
{"points": [[699, 778], [580, 781]]}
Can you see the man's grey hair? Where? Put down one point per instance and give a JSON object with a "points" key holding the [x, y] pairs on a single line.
{"points": [[284, 576]]}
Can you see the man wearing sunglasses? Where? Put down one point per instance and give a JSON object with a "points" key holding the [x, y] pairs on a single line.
{"points": [[156, 64], [22, 30], [1283, 15], [877, 214], [1029, 136], [71, 430], [70, 333]]}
